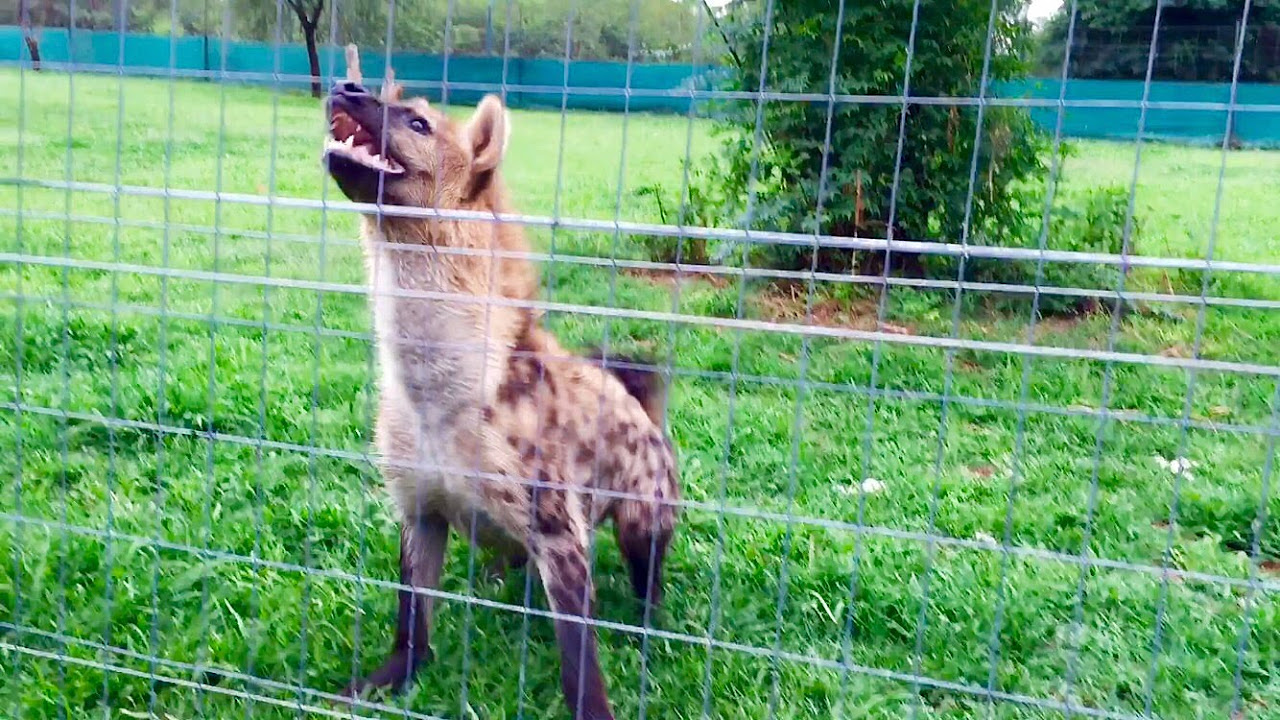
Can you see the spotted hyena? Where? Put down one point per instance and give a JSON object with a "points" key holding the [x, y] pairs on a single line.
{"points": [[485, 424]]}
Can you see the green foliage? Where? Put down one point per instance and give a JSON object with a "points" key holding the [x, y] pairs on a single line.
{"points": [[698, 208], [663, 29], [1197, 41], [1092, 221], [789, 175]]}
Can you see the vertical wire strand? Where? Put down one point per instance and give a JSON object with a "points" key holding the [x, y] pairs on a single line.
{"points": [[202, 648], [672, 334], [527, 595], [1024, 383], [371, 370], [163, 345], [922, 618], [468, 615], [304, 620], [606, 339], [570, 17], [255, 550], [1255, 559], [601, 412], [877, 353], [19, 529], [550, 286], [113, 362], [526, 598], [367, 499], [322, 271], [692, 114], [735, 357], [64, 425], [1192, 375], [380, 196], [669, 364], [1099, 440], [797, 421]]}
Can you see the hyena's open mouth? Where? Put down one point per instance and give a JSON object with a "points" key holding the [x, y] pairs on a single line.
{"points": [[352, 141]]}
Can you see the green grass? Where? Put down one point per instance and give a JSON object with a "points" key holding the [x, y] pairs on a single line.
{"points": [[187, 353]]}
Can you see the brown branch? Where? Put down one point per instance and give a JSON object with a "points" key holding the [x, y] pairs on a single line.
{"points": [[737, 61], [308, 16], [392, 91]]}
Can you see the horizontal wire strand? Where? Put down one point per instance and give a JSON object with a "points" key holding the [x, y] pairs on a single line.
{"points": [[683, 504], [694, 271], [781, 328], [678, 93], [752, 237]]}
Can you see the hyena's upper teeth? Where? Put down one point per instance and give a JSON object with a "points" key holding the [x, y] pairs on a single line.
{"points": [[350, 141]]}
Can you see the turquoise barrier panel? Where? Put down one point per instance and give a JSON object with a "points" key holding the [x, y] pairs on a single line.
{"points": [[1255, 122], [541, 82]]}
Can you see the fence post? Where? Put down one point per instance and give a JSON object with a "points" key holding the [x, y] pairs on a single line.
{"points": [[488, 29], [204, 30]]}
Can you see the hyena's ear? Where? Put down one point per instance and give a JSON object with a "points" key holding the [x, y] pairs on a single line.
{"points": [[486, 134], [353, 65], [392, 91]]}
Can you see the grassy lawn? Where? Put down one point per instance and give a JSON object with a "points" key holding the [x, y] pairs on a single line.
{"points": [[188, 485]]}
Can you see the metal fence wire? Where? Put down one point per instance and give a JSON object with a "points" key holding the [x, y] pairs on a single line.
{"points": [[902, 494]]}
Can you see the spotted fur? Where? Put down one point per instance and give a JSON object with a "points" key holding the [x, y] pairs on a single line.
{"points": [[486, 425]]}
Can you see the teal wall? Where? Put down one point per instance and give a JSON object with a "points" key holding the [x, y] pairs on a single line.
{"points": [[1256, 120], [600, 85], [253, 62]]}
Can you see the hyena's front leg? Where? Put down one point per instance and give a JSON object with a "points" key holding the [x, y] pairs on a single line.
{"points": [[556, 542], [422, 546]]}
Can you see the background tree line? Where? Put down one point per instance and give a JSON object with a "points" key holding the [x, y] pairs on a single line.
{"points": [[664, 30], [1197, 40]]}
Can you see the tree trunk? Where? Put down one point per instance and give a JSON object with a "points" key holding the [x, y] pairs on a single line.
{"points": [[33, 42], [33, 47], [309, 29]]}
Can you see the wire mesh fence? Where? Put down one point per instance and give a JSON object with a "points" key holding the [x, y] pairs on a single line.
{"points": [[950, 443]]}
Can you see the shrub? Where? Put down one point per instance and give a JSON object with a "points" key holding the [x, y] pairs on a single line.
{"points": [[699, 208], [861, 160], [1091, 221]]}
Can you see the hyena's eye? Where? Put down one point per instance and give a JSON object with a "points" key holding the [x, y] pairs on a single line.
{"points": [[419, 126]]}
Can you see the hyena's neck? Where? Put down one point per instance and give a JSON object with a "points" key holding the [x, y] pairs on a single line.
{"points": [[484, 257]]}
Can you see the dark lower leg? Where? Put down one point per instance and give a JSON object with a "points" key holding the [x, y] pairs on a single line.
{"points": [[644, 549], [505, 562], [421, 557], [568, 587]]}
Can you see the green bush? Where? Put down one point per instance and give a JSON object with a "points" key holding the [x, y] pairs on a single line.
{"points": [[1092, 221], [700, 207], [847, 160]]}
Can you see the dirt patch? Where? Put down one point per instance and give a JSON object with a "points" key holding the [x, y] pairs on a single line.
{"points": [[671, 277], [786, 302], [1271, 567], [1057, 325], [982, 471]]}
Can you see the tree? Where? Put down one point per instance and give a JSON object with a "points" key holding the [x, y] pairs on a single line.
{"points": [[28, 35], [852, 174], [1197, 41], [308, 12]]}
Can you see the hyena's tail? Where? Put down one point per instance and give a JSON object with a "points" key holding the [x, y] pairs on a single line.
{"points": [[640, 378]]}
